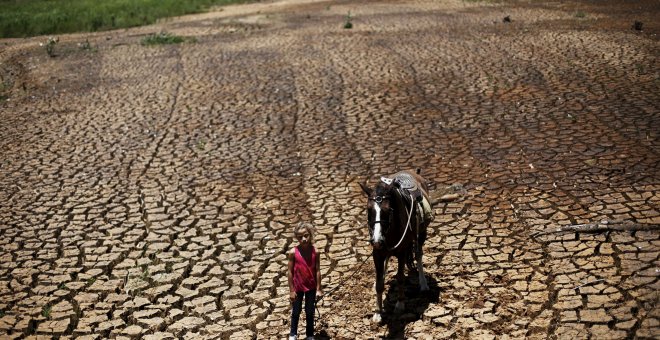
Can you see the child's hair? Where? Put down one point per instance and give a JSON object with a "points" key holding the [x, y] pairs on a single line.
{"points": [[308, 226]]}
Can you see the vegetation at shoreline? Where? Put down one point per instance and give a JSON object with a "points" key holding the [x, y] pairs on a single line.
{"points": [[164, 38], [24, 18]]}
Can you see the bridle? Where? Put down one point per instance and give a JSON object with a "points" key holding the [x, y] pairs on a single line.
{"points": [[379, 199]]}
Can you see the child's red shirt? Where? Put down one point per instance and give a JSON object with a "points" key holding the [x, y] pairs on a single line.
{"points": [[304, 271]]}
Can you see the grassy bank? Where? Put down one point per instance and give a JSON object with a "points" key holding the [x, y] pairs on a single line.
{"points": [[23, 18]]}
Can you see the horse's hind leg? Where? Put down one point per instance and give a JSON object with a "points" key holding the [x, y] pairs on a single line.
{"points": [[423, 285], [410, 262], [401, 282], [420, 271]]}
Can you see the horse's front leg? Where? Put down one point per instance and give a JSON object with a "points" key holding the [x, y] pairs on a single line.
{"points": [[381, 266], [401, 282]]}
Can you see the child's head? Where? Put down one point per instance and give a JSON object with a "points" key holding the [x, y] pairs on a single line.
{"points": [[304, 232]]}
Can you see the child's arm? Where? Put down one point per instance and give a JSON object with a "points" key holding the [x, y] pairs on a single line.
{"points": [[292, 292], [319, 290]]}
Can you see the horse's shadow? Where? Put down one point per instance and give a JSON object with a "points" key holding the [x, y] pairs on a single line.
{"points": [[416, 303]]}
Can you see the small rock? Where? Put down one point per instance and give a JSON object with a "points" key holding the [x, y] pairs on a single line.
{"points": [[133, 330]]}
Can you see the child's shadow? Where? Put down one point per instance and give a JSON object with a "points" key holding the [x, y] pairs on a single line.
{"points": [[416, 303]]}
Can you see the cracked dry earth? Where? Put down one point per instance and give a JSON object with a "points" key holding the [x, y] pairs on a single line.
{"points": [[150, 192]]}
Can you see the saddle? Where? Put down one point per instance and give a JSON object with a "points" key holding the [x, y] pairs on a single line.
{"points": [[406, 182], [409, 190]]}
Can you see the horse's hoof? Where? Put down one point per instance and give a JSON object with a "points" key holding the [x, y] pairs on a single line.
{"points": [[424, 287], [377, 318], [399, 307]]}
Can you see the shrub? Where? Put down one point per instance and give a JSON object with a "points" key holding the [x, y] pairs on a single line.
{"points": [[348, 24]]}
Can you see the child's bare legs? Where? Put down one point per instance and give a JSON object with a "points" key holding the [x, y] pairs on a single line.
{"points": [[310, 302]]}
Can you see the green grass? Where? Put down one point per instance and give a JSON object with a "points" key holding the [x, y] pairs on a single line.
{"points": [[162, 38], [23, 18], [45, 311]]}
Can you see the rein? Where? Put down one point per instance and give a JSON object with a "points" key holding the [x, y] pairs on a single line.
{"points": [[355, 270], [405, 230]]}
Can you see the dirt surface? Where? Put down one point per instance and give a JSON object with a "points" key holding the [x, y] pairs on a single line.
{"points": [[150, 192]]}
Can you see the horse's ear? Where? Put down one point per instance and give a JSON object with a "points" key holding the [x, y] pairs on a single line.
{"points": [[365, 189]]}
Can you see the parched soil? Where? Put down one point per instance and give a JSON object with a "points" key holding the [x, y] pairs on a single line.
{"points": [[150, 192]]}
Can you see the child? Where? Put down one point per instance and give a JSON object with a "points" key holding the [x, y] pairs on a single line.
{"points": [[304, 276]]}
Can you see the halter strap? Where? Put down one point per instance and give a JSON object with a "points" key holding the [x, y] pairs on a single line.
{"points": [[379, 199]]}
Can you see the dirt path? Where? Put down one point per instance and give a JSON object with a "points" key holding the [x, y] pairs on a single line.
{"points": [[150, 192]]}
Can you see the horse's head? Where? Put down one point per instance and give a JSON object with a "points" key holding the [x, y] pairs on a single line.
{"points": [[379, 211]]}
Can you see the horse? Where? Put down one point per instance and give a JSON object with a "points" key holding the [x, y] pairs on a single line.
{"points": [[398, 214]]}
